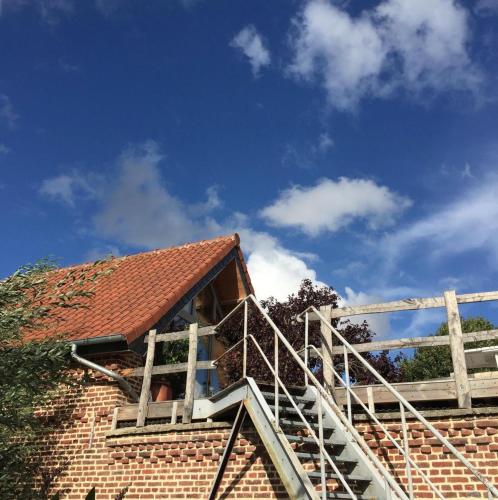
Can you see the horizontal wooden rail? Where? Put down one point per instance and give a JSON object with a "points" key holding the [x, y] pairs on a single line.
{"points": [[407, 305], [411, 342], [183, 335], [165, 369]]}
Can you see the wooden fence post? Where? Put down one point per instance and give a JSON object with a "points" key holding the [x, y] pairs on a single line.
{"points": [[457, 350], [328, 375], [144, 395], [191, 374]]}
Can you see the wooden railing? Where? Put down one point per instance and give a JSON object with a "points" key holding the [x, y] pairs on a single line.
{"points": [[456, 339], [190, 367]]}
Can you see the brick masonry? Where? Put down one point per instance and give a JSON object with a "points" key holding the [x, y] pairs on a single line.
{"points": [[475, 436], [182, 463]]}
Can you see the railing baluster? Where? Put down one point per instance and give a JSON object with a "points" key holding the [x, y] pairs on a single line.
{"points": [[306, 341], [275, 382], [407, 450], [244, 354], [348, 382], [320, 438]]}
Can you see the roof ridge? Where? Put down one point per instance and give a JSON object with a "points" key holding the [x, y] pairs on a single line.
{"points": [[116, 259]]}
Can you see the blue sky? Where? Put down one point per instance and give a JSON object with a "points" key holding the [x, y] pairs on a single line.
{"points": [[355, 147]]}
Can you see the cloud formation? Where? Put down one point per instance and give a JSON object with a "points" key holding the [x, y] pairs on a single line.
{"points": [[250, 43], [66, 188], [7, 113], [400, 44], [135, 208], [469, 223], [50, 11], [331, 205]]}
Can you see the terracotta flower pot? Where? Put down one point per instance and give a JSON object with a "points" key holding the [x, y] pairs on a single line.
{"points": [[161, 391]]}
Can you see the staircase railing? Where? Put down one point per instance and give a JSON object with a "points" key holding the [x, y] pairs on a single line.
{"points": [[391, 484], [403, 404]]}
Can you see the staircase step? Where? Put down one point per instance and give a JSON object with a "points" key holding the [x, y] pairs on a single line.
{"points": [[282, 397], [310, 440], [300, 424], [286, 410], [332, 475], [339, 495], [316, 456]]}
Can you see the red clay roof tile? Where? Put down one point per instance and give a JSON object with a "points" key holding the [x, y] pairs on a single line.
{"points": [[140, 290]]}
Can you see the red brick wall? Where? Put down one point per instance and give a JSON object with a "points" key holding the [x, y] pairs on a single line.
{"points": [[475, 436], [179, 464], [182, 463]]}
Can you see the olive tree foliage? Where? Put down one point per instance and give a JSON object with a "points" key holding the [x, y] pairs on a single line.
{"points": [[33, 373], [284, 313], [435, 362]]}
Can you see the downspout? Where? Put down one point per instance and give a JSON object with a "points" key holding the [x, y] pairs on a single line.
{"points": [[122, 382]]}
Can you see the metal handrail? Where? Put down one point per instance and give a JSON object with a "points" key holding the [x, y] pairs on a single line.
{"points": [[390, 481], [491, 489], [318, 440], [378, 422]]}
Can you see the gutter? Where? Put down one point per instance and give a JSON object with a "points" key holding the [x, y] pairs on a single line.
{"points": [[122, 382]]}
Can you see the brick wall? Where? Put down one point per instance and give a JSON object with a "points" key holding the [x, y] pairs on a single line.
{"points": [[474, 434], [182, 463], [178, 464]]}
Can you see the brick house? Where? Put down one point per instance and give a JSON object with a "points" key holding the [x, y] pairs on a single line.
{"points": [[111, 436]]}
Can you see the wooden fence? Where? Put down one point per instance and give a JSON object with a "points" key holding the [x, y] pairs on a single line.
{"points": [[456, 339]]}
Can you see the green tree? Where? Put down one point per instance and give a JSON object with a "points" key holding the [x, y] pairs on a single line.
{"points": [[33, 373], [435, 362]]}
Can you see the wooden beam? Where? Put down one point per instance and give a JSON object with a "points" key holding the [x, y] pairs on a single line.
{"points": [[410, 342], [183, 335], [409, 304], [166, 369], [327, 346], [191, 374], [457, 350], [144, 395]]}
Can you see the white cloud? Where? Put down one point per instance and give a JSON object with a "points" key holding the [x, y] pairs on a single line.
{"points": [[346, 54], [50, 11], [66, 188], [135, 208], [379, 323], [274, 270], [470, 223], [7, 112], [140, 211], [331, 205], [416, 45], [325, 142], [249, 41], [486, 8], [4, 149]]}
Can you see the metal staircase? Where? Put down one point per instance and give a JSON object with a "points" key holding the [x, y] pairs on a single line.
{"points": [[312, 443]]}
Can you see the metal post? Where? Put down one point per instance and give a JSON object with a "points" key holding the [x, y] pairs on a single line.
{"points": [[320, 438], [244, 354], [275, 380], [407, 451], [306, 340], [348, 395]]}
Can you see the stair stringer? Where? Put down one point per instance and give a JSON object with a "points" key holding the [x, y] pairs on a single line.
{"points": [[290, 470], [378, 488]]}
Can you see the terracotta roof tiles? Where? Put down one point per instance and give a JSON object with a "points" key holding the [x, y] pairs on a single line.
{"points": [[140, 290]]}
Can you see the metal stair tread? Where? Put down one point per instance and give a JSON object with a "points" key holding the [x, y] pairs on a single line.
{"points": [[316, 456], [301, 424], [283, 410], [310, 440], [316, 474], [284, 398]]}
